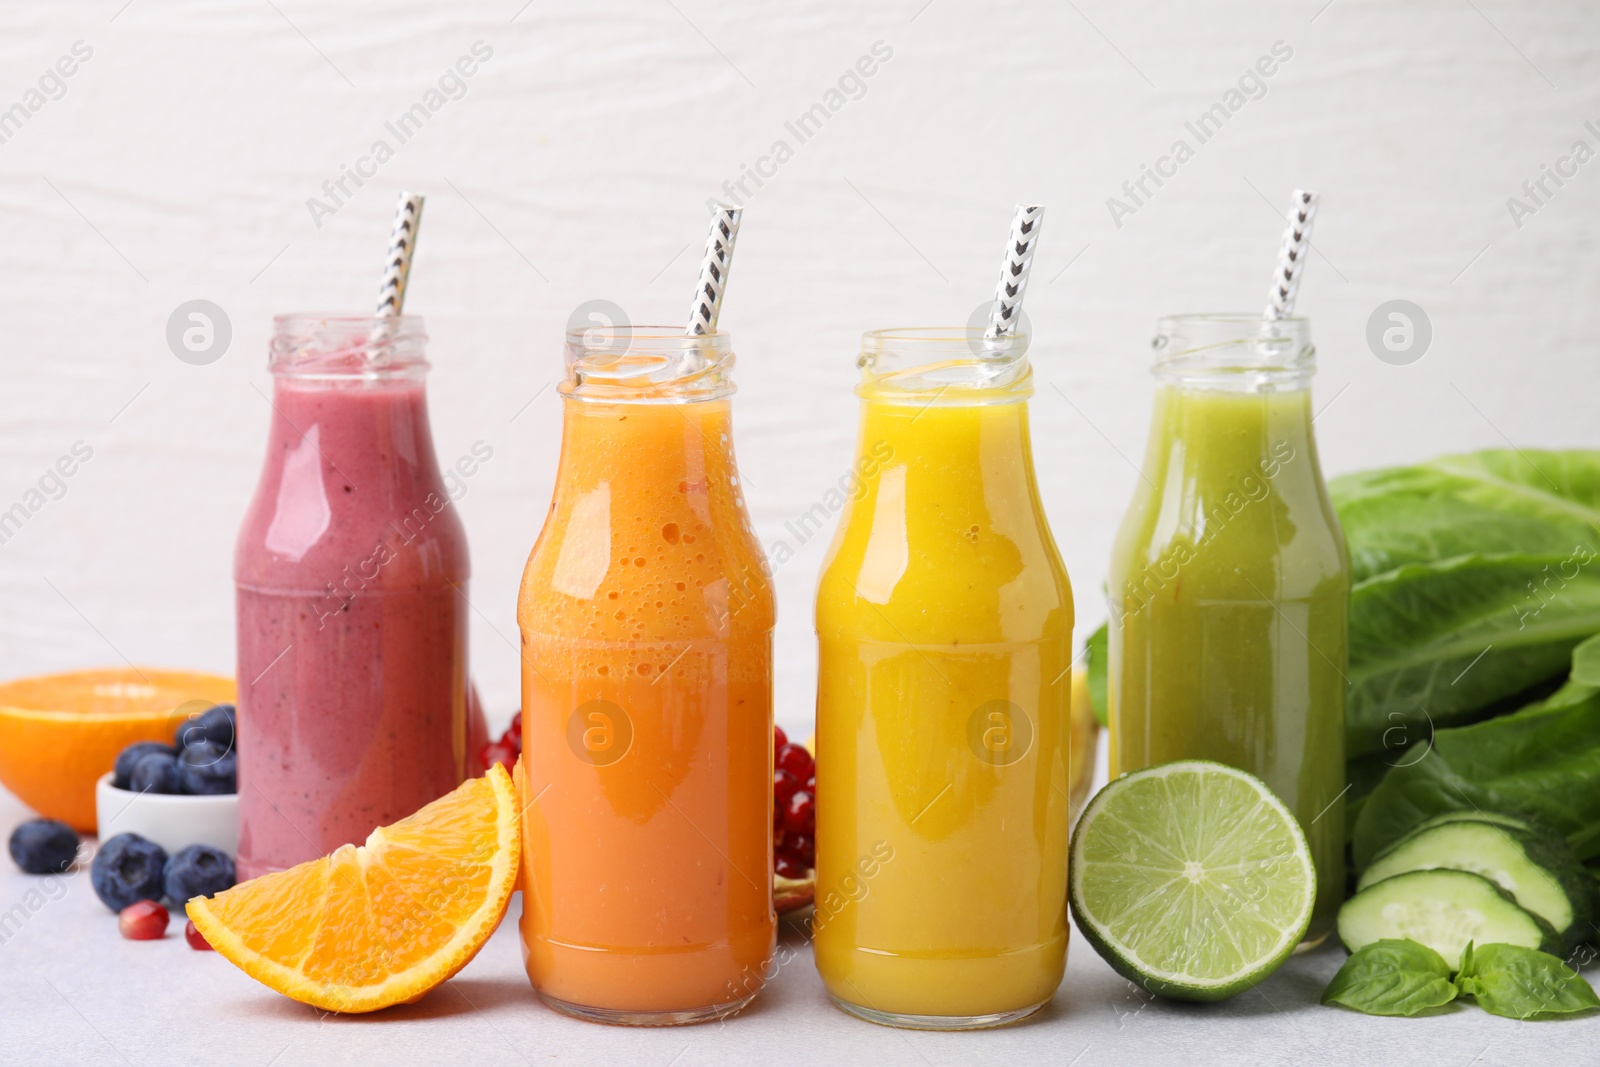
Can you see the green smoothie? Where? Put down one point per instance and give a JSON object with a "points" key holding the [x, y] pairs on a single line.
{"points": [[1229, 589]]}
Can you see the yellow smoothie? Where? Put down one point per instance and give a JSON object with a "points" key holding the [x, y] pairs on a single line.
{"points": [[944, 617]]}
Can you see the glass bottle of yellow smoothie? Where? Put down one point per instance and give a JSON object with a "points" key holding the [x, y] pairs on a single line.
{"points": [[944, 620], [1230, 584]]}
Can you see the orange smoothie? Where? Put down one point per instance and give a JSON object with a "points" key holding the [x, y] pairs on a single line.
{"points": [[646, 620]]}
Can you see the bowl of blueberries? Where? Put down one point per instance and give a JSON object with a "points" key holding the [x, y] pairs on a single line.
{"points": [[177, 795]]}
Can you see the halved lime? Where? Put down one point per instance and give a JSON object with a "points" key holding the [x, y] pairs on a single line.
{"points": [[1191, 879]]}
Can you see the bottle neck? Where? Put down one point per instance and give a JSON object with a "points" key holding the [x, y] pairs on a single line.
{"points": [[936, 445], [648, 450], [1228, 440], [365, 434]]}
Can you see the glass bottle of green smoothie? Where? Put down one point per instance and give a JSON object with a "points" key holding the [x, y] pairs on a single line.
{"points": [[1230, 583]]}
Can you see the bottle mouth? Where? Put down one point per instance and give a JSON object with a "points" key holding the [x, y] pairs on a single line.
{"points": [[943, 365], [1239, 352], [647, 364], [322, 346]]}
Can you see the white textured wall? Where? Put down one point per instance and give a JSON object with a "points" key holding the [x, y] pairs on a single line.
{"points": [[178, 163]]}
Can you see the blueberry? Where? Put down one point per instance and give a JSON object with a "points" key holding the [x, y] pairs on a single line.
{"points": [[44, 846], [215, 724], [155, 772], [208, 769], [122, 773], [126, 870], [197, 871]]}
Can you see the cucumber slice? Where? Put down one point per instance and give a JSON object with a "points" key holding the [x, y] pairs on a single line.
{"points": [[1494, 818], [1442, 909], [1540, 872]]}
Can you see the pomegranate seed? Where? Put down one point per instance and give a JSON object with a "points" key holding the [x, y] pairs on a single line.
{"points": [[797, 761], [196, 939], [779, 739], [783, 786], [512, 741], [788, 866], [800, 815], [801, 846], [497, 752], [144, 920], [516, 724], [811, 785]]}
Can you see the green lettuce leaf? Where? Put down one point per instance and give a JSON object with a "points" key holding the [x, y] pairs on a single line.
{"points": [[1523, 502], [1433, 644], [1493, 555], [1542, 762]]}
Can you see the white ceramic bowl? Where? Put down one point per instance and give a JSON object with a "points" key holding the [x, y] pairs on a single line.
{"points": [[171, 821]]}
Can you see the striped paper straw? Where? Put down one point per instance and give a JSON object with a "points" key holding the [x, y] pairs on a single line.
{"points": [[714, 266], [1292, 255], [1025, 225], [402, 246]]}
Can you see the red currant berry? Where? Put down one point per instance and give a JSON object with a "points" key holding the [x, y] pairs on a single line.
{"points": [[811, 785], [779, 739], [787, 866], [796, 760], [516, 724], [196, 939], [800, 816], [498, 752], [144, 920]]}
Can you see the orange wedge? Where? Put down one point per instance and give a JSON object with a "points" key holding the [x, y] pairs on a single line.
{"points": [[382, 923], [60, 732]]}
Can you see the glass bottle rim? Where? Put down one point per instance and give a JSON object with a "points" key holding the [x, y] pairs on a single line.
{"points": [[1237, 351], [332, 346], [647, 364], [943, 365]]}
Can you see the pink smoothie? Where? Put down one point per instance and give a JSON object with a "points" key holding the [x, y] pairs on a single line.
{"points": [[351, 572]]}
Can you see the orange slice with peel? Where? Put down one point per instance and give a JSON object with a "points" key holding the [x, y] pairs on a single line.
{"points": [[61, 732], [381, 923]]}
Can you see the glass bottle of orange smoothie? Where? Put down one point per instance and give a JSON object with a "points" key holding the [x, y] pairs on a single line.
{"points": [[944, 619], [646, 617]]}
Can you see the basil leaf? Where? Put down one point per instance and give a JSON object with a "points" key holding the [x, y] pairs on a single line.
{"points": [[1392, 977], [1523, 983]]}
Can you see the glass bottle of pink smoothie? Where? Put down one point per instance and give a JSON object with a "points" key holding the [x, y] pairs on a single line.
{"points": [[351, 572]]}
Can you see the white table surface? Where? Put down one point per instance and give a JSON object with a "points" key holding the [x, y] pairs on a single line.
{"points": [[72, 991]]}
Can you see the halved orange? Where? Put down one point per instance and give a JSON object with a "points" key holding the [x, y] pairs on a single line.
{"points": [[60, 732], [381, 923]]}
